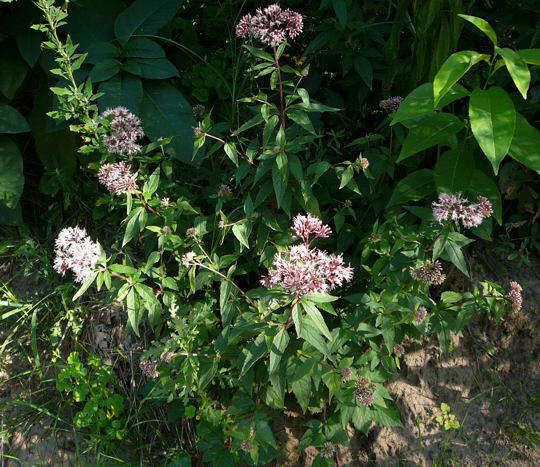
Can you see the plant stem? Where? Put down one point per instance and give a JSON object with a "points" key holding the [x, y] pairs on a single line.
{"points": [[147, 206], [281, 100]]}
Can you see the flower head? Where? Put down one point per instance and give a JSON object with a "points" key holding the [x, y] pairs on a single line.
{"points": [[224, 190], [125, 129], [328, 450], [346, 374], [363, 163], [365, 391], [420, 314], [458, 209], [392, 104], [198, 110], [302, 270], [165, 202], [75, 251], [271, 25], [118, 178], [306, 226], [187, 258], [430, 273], [149, 368], [514, 296]]}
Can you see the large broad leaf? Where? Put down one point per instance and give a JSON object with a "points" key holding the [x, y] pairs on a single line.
{"points": [[12, 72], [433, 129], [11, 172], [483, 25], [420, 102], [525, 147], [142, 47], [454, 170], [452, 70], [165, 113], [92, 21], [11, 121], [518, 69], [493, 122], [144, 17], [413, 187], [530, 56], [105, 70], [151, 68], [486, 185], [122, 90]]}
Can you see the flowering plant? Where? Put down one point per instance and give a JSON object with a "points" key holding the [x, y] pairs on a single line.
{"points": [[233, 302]]}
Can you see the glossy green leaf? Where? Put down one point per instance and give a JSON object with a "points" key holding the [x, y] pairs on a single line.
{"points": [[11, 121], [517, 68], [452, 70], [241, 232], [132, 305], [493, 122], [436, 128], [525, 147], [144, 17], [317, 318], [142, 47], [454, 170], [530, 56], [254, 352], [11, 172], [483, 25], [413, 187], [165, 113], [420, 102]]}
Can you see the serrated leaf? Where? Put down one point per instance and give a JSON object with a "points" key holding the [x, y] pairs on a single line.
{"points": [[279, 344], [317, 318]]}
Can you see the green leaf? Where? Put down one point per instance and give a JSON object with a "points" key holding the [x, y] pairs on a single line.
{"points": [[452, 70], [255, 351], [12, 72], [142, 47], [301, 118], [452, 252], [525, 147], [241, 232], [150, 302], [11, 172], [132, 304], [259, 53], [144, 17], [346, 176], [530, 56], [279, 344], [133, 226], [486, 185], [165, 113], [364, 68], [340, 8], [483, 25], [122, 90], [517, 68], [493, 122], [454, 170], [92, 21], [232, 153], [420, 102], [11, 121], [386, 416], [105, 70], [436, 128], [413, 187], [85, 286], [150, 68], [317, 318]]}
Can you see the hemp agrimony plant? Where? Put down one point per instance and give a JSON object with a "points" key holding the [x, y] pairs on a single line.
{"points": [[244, 324]]}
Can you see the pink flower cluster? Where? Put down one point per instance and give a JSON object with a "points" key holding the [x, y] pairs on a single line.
{"points": [[420, 314], [392, 104], [125, 131], [459, 209], [301, 269], [271, 25], [515, 296], [118, 178], [75, 251], [365, 391], [430, 273]]}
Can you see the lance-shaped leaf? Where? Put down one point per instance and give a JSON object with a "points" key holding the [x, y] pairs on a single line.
{"points": [[517, 68], [493, 122]]}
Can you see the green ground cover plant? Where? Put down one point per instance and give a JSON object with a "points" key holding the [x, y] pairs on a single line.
{"points": [[271, 222]]}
